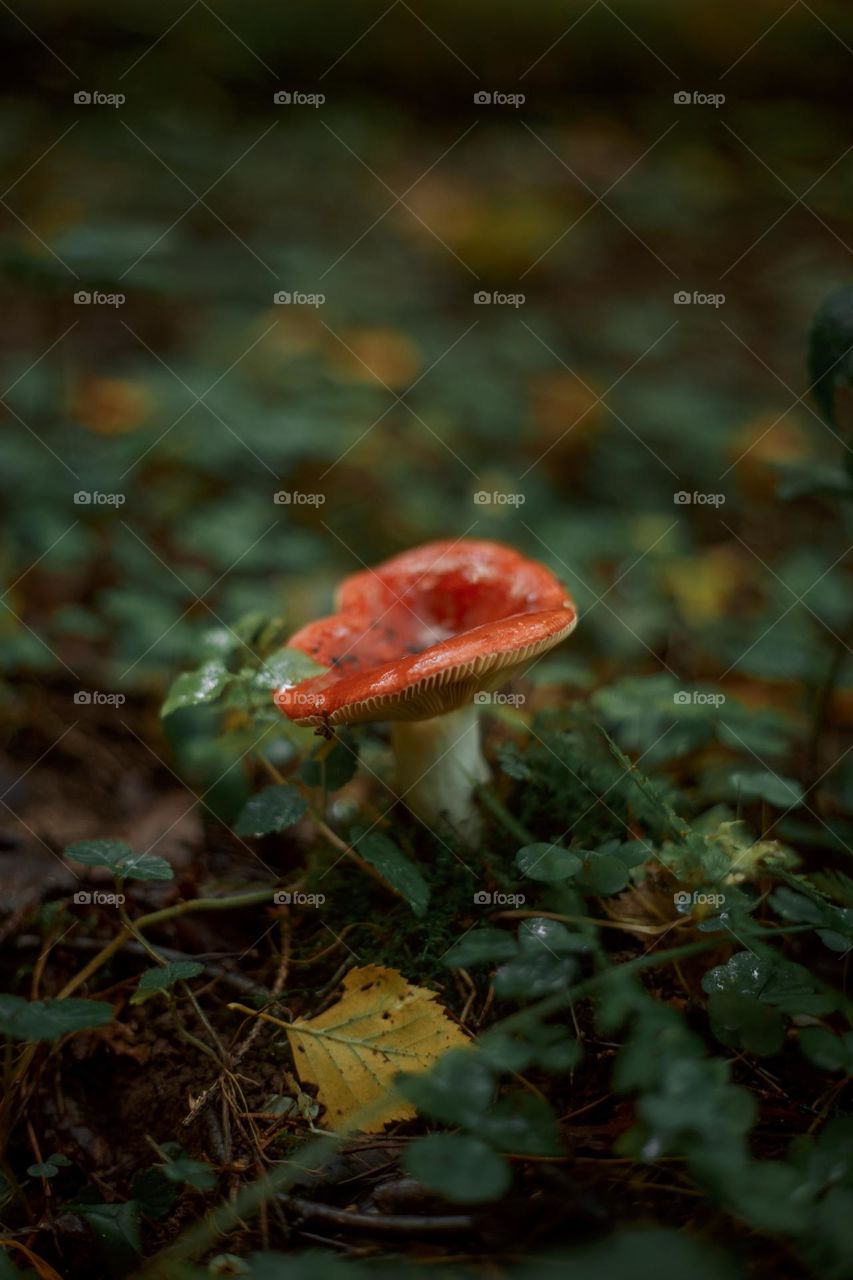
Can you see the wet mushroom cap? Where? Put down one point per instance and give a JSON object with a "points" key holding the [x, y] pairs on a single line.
{"points": [[424, 632]]}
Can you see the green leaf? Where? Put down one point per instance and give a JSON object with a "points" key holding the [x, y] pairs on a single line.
{"points": [[549, 1046], [49, 1019], [272, 810], [154, 1193], [604, 873], [749, 994], [193, 688], [653, 1254], [481, 946], [50, 1167], [782, 793], [286, 667], [761, 1028], [532, 975], [540, 934], [830, 356], [772, 979], [120, 859], [164, 976], [395, 867], [334, 768], [458, 1089], [521, 1124], [834, 925], [826, 1051], [769, 1195], [179, 1167], [547, 862], [460, 1168], [117, 1228], [796, 906], [659, 1036], [694, 1101]]}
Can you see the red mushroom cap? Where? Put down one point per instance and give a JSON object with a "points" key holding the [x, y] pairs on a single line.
{"points": [[424, 632]]}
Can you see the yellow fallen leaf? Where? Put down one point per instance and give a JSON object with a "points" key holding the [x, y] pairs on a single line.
{"points": [[386, 356], [706, 587], [110, 406], [381, 1025]]}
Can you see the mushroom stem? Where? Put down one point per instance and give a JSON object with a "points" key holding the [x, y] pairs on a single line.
{"points": [[439, 763]]}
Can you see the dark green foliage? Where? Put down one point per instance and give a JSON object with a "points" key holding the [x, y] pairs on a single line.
{"points": [[831, 350]]}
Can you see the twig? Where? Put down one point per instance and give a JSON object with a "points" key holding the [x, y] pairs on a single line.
{"points": [[377, 1224]]}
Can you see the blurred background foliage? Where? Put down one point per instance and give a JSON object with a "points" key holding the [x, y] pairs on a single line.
{"points": [[399, 398]]}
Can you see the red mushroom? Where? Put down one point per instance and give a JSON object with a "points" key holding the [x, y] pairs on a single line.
{"points": [[414, 641]]}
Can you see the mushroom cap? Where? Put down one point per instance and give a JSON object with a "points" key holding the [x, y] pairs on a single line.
{"points": [[424, 632]]}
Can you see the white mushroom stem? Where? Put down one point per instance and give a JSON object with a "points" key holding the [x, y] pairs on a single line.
{"points": [[439, 763]]}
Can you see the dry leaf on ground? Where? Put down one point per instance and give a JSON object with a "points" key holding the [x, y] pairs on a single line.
{"points": [[381, 1025]]}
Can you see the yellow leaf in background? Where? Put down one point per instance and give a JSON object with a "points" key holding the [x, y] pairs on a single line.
{"points": [[381, 1025], [386, 356], [110, 406], [761, 447], [705, 587], [564, 412]]}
